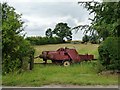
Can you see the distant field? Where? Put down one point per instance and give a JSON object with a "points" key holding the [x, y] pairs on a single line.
{"points": [[85, 73], [81, 48]]}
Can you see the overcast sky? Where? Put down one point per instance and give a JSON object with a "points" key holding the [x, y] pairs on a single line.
{"points": [[43, 14]]}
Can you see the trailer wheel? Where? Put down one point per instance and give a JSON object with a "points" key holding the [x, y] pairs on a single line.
{"points": [[66, 63]]}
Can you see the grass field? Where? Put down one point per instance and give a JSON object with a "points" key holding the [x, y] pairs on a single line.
{"points": [[84, 73]]}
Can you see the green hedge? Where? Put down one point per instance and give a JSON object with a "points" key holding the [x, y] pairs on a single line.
{"points": [[18, 58], [44, 40], [109, 53]]}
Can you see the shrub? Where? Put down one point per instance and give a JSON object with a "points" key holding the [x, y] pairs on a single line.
{"points": [[19, 57], [15, 49], [109, 53]]}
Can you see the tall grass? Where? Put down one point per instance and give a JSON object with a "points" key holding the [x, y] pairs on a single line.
{"points": [[77, 74]]}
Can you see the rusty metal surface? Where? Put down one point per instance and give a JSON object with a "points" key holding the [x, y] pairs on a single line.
{"points": [[65, 54], [86, 57], [73, 54]]}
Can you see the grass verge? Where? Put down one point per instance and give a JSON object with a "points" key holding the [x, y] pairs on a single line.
{"points": [[77, 74]]}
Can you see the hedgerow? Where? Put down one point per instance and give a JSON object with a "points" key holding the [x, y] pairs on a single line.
{"points": [[44, 40], [109, 53]]}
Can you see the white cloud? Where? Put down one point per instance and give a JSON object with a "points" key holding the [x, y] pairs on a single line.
{"points": [[39, 16], [39, 21]]}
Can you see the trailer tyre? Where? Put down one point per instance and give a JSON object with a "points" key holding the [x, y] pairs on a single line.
{"points": [[66, 63]]}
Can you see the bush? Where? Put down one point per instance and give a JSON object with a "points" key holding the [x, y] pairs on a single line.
{"points": [[109, 53], [15, 49], [44, 40], [19, 57]]}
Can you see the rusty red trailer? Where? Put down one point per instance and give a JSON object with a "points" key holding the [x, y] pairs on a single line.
{"points": [[65, 56]]}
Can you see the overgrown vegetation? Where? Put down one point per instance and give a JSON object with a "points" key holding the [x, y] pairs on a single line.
{"points": [[16, 52], [81, 74]]}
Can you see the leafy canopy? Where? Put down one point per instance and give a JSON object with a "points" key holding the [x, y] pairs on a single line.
{"points": [[106, 21], [62, 30], [49, 32]]}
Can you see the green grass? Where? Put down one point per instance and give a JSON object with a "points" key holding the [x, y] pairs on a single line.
{"points": [[77, 74], [84, 73]]}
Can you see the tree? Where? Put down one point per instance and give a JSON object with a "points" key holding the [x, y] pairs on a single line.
{"points": [[62, 30], [94, 39], [13, 44], [104, 22], [85, 38], [49, 32]]}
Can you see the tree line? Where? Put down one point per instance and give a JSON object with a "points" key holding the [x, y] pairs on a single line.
{"points": [[38, 40], [58, 35]]}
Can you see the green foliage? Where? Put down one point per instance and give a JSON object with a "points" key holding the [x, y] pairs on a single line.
{"points": [[85, 38], [92, 39], [44, 40], [109, 54], [105, 23], [62, 30], [49, 32], [14, 47]]}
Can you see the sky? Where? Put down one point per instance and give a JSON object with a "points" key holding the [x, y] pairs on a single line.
{"points": [[39, 15]]}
